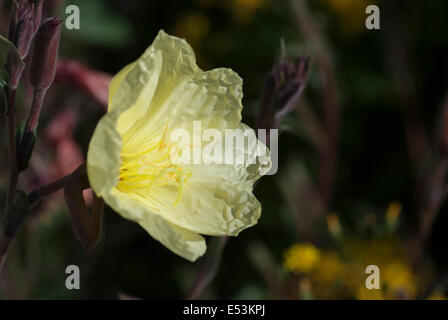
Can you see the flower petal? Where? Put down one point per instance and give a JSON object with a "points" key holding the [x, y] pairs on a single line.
{"points": [[117, 80], [103, 156], [183, 93], [217, 198], [183, 242]]}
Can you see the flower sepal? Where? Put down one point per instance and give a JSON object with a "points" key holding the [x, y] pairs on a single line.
{"points": [[86, 223]]}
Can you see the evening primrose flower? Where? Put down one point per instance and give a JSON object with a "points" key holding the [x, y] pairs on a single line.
{"points": [[129, 163]]}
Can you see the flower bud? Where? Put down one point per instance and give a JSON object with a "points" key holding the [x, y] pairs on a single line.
{"points": [[87, 226], [45, 52], [12, 20], [21, 30], [37, 17], [23, 36], [282, 90], [21, 26]]}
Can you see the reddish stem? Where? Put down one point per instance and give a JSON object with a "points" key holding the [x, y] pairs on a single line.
{"points": [[13, 173], [42, 192], [33, 117], [34, 197]]}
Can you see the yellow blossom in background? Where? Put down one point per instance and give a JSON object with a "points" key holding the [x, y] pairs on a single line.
{"points": [[378, 251], [351, 14], [301, 258], [334, 276], [363, 293], [399, 280], [342, 275], [129, 163], [329, 268]]}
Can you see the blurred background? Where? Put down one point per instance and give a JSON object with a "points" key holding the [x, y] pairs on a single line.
{"points": [[363, 153]]}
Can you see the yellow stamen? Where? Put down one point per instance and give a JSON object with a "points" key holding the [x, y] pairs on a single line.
{"points": [[152, 167]]}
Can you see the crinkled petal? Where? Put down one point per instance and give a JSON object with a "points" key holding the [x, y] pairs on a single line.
{"points": [[183, 242], [217, 199], [116, 82], [183, 94]]}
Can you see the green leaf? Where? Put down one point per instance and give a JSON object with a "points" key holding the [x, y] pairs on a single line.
{"points": [[16, 214], [7, 46]]}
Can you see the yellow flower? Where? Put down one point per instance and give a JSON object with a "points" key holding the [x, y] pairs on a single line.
{"points": [[351, 13], [329, 269], [369, 294], [399, 280], [301, 258], [129, 163]]}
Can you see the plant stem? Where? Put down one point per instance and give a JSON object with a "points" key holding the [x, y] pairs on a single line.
{"points": [[42, 192], [33, 117], [437, 193], [13, 173], [34, 197], [209, 268], [328, 157]]}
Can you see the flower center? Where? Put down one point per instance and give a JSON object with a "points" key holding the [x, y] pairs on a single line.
{"points": [[151, 167]]}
